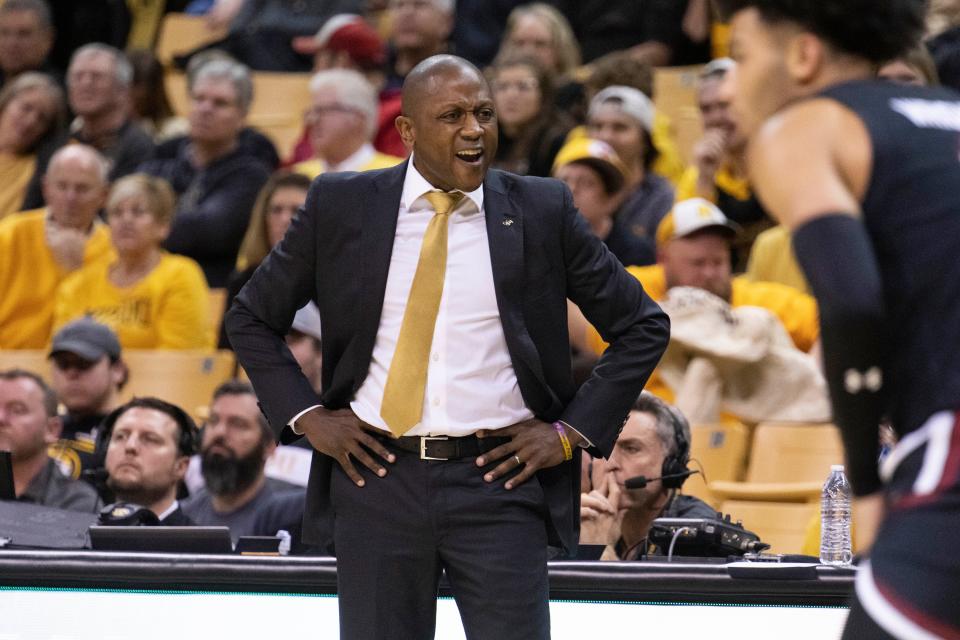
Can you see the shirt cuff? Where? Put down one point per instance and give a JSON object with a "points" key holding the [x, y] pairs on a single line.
{"points": [[292, 423], [586, 444]]}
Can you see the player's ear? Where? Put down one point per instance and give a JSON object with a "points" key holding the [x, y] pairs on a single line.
{"points": [[805, 56]]}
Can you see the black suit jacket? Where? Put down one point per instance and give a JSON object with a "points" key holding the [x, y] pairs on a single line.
{"points": [[337, 252]]}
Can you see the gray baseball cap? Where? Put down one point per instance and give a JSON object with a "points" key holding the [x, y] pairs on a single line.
{"points": [[88, 339]]}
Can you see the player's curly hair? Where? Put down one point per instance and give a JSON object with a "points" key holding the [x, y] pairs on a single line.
{"points": [[877, 31]]}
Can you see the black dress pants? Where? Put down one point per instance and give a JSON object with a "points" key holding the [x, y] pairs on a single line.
{"points": [[394, 536]]}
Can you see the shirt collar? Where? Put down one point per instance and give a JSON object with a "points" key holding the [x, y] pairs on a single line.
{"points": [[173, 507], [354, 161], [415, 185]]}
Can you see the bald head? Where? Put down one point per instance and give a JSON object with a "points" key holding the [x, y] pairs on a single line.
{"points": [[423, 79], [449, 122], [83, 156], [75, 185]]}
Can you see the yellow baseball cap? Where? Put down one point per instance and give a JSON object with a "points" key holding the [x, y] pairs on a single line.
{"points": [[689, 216], [597, 155]]}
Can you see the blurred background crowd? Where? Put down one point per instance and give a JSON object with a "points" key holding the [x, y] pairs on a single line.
{"points": [[153, 152]]}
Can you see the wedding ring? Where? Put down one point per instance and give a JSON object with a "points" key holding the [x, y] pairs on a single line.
{"points": [[517, 458]]}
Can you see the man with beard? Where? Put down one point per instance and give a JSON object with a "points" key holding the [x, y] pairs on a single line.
{"points": [[236, 443], [149, 444]]}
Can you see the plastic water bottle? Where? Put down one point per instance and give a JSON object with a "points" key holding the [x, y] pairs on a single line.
{"points": [[835, 547]]}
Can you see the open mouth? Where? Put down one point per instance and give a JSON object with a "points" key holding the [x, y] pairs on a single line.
{"points": [[470, 156]]}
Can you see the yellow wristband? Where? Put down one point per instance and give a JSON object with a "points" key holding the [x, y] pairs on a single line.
{"points": [[567, 449]]}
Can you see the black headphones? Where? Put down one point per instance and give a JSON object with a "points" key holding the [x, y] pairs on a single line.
{"points": [[674, 471], [186, 443]]}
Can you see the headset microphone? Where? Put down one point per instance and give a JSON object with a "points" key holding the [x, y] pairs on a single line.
{"points": [[639, 482]]}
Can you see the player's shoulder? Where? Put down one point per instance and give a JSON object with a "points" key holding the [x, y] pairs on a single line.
{"points": [[811, 121]]}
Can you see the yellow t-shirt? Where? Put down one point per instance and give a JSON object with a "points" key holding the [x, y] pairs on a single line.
{"points": [[15, 174], [725, 181], [313, 168], [772, 260], [29, 277], [167, 309], [796, 310]]}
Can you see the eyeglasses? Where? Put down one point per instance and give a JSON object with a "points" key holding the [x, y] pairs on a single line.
{"points": [[314, 113], [523, 86]]}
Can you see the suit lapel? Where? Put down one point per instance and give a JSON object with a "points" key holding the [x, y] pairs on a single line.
{"points": [[505, 222], [380, 212]]}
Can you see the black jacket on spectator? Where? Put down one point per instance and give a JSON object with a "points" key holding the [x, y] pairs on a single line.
{"points": [[213, 206], [79, 22], [604, 26]]}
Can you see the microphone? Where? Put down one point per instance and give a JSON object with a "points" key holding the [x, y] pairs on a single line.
{"points": [[639, 482]]}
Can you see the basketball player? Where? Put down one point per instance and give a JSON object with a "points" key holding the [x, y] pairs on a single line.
{"points": [[866, 175]]}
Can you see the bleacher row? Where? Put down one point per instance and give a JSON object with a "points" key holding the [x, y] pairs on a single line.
{"points": [[280, 99]]}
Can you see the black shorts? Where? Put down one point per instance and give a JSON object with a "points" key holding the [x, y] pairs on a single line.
{"points": [[910, 586]]}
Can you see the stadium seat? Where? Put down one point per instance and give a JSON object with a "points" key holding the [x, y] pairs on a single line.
{"points": [[788, 463], [782, 525], [34, 360], [185, 378], [181, 33], [719, 451], [675, 94]]}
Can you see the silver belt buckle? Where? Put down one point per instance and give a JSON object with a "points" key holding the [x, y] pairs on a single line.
{"points": [[423, 447]]}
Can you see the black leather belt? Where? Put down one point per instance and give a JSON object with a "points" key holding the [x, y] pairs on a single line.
{"points": [[446, 447]]}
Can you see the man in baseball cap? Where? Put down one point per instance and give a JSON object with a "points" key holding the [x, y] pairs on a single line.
{"points": [[693, 250], [347, 41], [87, 375]]}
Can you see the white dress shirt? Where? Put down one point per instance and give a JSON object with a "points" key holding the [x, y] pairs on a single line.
{"points": [[471, 383], [354, 162]]}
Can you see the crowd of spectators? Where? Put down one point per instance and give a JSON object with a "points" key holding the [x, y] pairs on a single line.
{"points": [[118, 216]]}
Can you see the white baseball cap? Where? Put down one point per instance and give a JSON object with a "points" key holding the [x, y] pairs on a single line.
{"points": [[632, 102], [689, 216]]}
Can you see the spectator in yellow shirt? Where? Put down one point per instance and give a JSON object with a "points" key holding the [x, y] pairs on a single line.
{"points": [[39, 248], [693, 250], [151, 299], [32, 111]]}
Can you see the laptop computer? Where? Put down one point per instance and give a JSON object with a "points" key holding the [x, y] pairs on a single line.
{"points": [[162, 539]]}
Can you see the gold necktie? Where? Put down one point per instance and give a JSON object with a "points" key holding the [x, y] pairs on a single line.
{"points": [[402, 405]]}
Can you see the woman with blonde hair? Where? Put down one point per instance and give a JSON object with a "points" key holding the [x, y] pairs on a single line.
{"points": [[151, 299], [541, 31], [32, 110], [278, 201]]}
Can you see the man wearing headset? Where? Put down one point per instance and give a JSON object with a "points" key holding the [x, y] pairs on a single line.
{"points": [[655, 445], [148, 447]]}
